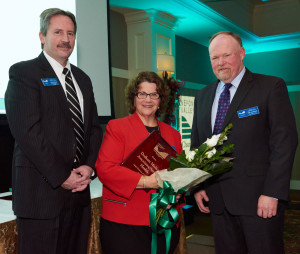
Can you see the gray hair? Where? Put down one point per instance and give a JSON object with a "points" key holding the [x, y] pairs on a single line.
{"points": [[235, 36], [47, 14]]}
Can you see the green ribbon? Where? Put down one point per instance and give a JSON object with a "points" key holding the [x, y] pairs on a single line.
{"points": [[159, 202]]}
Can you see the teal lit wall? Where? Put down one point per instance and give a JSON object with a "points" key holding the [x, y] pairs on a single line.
{"points": [[192, 62], [281, 63]]}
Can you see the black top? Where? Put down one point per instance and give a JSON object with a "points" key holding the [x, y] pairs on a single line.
{"points": [[150, 129]]}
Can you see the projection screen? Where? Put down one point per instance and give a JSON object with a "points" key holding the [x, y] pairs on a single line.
{"points": [[19, 21]]}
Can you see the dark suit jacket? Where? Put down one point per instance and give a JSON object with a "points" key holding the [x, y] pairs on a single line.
{"points": [[265, 143], [40, 121], [121, 201]]}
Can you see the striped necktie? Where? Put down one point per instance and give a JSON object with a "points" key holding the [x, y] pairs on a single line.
{"points": [[223, 105], [76, 115]]}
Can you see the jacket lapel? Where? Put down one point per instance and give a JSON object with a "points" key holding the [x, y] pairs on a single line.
{"points": [[58, 91], [239, 96], [140, 131], [208, 102]]}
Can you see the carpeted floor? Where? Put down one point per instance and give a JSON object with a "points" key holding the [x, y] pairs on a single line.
{"points": [[199, 230], [291, 234]]}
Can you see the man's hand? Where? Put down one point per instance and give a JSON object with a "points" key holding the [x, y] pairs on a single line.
{"points": [[79, 179], [178, 196], [199, 196], [85, 171], [266, 207]]}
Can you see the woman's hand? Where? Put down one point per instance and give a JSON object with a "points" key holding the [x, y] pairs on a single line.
{"points": [[147, 182]]}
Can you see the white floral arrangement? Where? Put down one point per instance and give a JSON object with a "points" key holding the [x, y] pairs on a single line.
{"points": [[195, 166]]}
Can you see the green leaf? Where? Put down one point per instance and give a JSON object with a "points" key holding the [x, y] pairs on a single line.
{"points": [[182, 156], [202, 148], [219, 168], [176, 163]]}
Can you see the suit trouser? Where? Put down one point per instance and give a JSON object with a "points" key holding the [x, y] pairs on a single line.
{"points": [[241, 234], [65, 234]]}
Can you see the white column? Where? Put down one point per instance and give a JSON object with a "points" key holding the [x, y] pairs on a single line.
{"points": [[149, 33]]}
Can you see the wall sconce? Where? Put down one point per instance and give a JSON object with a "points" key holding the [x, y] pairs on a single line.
{"points": [[165, 64]]}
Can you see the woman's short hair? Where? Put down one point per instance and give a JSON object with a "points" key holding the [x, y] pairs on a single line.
{"points": [[133, 87]]}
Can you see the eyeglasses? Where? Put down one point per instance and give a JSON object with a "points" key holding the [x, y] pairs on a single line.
{"points": [[143, 95]]}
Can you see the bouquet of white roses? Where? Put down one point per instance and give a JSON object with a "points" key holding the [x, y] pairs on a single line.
{"points": [[187, 170], [195, 166]]}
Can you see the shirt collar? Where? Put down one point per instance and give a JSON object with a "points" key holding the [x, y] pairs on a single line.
{"points": [[235, 82], [57, 67]]}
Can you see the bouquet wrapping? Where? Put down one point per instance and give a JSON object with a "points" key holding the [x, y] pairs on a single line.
{"points": [[182, 178]]}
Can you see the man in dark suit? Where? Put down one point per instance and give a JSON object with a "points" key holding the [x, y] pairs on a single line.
{"points": [[247, 203], [53, 160]]}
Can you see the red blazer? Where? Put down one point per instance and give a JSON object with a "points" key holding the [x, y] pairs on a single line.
{"points": [[121, 201]]}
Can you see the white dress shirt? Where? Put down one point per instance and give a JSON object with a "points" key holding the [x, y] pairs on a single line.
{"points": [[58, 69]]}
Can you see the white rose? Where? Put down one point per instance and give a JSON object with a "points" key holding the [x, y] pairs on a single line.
{"points": [[211, 153], [212, 141], [223, 139], [190, 155]]}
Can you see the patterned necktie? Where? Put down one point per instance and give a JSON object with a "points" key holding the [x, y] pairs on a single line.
{"points": [[223, 105], [76, 114]]}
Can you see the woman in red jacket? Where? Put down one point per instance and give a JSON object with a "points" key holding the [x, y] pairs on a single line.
{"points": [[124, 226]]}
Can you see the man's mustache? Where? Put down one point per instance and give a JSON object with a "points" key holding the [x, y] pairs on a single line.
{"points": [[64, 45]]}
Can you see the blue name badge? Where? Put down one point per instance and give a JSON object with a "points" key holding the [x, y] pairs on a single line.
{"points": [[50, 82], [248, 112]]}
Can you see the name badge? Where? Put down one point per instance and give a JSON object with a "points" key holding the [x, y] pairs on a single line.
{"points": [[248, 112], [50, 82]]}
